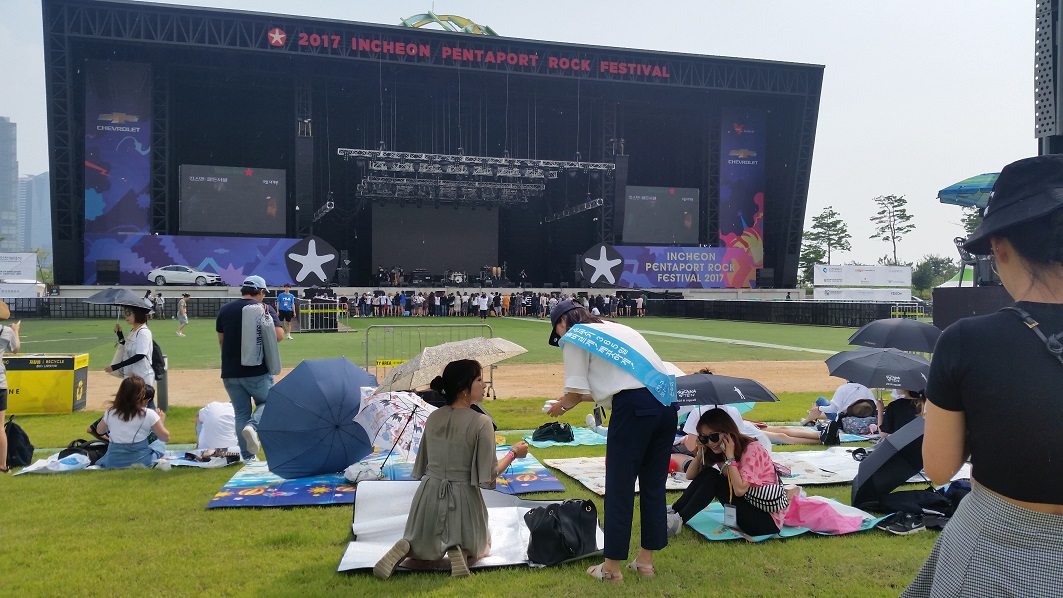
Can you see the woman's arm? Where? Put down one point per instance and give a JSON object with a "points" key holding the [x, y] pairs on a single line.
{"points": [[944, 443], [519, 451], [738, 485], [159, 427], [697, 462], [567, 402]]}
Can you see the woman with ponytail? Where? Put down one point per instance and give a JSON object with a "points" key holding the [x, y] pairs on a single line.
{"points": [[456, 458]]}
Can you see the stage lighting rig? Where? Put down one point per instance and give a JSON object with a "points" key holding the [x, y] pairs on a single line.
{"points": [[583, 207]]}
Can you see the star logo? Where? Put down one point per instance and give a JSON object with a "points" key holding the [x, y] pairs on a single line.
{"points": [[602, 263], [312, 261], [277, 37], [248, 172]]}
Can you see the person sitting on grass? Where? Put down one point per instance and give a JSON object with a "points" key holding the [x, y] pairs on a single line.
{"points": [[901, 410], [448, 517], [727, 465], [127, 425], [844, 396]]}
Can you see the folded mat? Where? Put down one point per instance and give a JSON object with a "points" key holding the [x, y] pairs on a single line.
{"points": [[709, 523], [380, 513], [590, 471], [581, 437], [255, 486]]}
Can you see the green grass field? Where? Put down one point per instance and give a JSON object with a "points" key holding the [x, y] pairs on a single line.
{"points": [[147, 532]]}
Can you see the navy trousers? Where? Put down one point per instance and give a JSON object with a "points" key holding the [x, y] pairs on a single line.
{"points": [[641, 433]]}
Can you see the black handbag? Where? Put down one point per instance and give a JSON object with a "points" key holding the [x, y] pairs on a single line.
{"points": [[555, 431], [562, 531]]}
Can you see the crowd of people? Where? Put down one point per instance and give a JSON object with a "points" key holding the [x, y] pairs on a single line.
{"points": [[485, 304]]}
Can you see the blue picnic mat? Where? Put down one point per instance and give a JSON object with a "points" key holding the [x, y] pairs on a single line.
{"points": [[255, 486], [709, 523], [581, 436]]}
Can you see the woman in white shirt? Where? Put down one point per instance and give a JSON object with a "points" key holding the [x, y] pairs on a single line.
{"points": [[136, 348], [127, 424]]}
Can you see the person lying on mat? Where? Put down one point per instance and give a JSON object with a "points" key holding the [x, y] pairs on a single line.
{"points": [[901, 410], [843, 398], [128, 424], [456, 458], [736, 470]]}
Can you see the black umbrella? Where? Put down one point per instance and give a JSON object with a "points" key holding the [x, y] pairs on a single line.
{"points": [[880, 368], [897, 457], [899, 333], [119, 297], [710, 389]]}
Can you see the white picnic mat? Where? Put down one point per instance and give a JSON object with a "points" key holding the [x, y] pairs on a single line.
{"points": [[834, 465]]}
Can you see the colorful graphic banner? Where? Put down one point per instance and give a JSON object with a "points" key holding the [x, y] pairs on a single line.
{"points": [[647, 267], [742, 177], [233, 258], [117, 147]]}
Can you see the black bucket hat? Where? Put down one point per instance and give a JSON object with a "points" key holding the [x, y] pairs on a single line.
{"points": [[1025, 190], [555, 314]]}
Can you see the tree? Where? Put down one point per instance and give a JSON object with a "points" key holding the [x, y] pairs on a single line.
{"points": [[828, 233], [892, 221], [933, 270], [810, 256], [972, 217]]}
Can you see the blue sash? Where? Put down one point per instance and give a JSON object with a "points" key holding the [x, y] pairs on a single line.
{"points": [[598, 343]]}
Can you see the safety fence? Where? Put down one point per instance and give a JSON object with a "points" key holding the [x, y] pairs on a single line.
{"points": [[322, 315], [388, 346], [815, 313]]}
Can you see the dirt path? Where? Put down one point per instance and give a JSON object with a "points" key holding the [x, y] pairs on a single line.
{"points": [[194, 388]]}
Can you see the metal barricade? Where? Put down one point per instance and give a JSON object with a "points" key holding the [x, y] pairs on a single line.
{"points": [[907, 310], [322, 315], [389, 345]]}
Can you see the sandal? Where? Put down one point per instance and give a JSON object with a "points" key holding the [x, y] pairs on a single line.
{"points": [[597, 573], [459, 567], [5, 470], [387, 563], [644, 571]]}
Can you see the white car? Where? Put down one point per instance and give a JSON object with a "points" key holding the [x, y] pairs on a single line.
{"points": [[182, 275]]}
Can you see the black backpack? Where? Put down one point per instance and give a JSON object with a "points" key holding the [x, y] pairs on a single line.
{"points": [[555, 431], [19, 448], [93, 449], [158, 360]]}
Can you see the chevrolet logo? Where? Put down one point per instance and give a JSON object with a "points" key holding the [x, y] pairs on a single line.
{"points": [[743, 153], [118, 118]]}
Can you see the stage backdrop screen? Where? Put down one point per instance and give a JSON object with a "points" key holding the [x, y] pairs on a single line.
{"points": [[233, 200], [661, 215], [438, 240]]}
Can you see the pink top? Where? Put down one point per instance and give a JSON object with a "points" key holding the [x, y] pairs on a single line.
{"points": [[757, 468]]}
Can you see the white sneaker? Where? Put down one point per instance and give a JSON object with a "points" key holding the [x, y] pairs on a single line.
{"points": [[180, 334], [163, 465], [251, 438], [290, 338], [675, 523]]}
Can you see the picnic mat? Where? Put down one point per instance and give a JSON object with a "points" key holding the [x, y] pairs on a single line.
{"points": [[834, 465], [255, 486], [590, 471], [380, 513], [709, 523], [581, 437]]}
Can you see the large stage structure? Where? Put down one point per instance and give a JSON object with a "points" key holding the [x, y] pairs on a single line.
{"points": [[309, 150]]}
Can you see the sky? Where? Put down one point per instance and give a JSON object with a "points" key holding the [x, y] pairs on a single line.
{"points": [[917, 94]]}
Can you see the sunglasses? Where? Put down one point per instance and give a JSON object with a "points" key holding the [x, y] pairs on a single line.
{"points": [[707, 438]]}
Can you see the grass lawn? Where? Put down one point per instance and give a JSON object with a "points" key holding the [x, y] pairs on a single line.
{"points": [[147, 532]]}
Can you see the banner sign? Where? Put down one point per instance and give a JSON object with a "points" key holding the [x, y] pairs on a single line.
{"points": [[467, 51], [862, 276], [117, 147], [21, 267], [655, 267], [12, 290], [742, 179], [860, 294]]}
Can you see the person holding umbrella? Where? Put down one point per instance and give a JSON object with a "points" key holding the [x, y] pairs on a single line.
{"points": [[136, 348], [456, 458], [642, 397], [993, 395]]}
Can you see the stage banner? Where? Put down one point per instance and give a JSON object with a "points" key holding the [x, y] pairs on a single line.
{"points": [[862, 276], [862, 294], [742, 143], [117, 147], [232, 258], [18, 267], [654, 267]]}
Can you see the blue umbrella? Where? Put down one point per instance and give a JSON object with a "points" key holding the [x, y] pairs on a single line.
{"points": [[308, 426], [972, 192]]}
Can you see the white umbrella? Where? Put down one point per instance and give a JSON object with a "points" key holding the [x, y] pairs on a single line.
{"points": [[430, 362]]}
